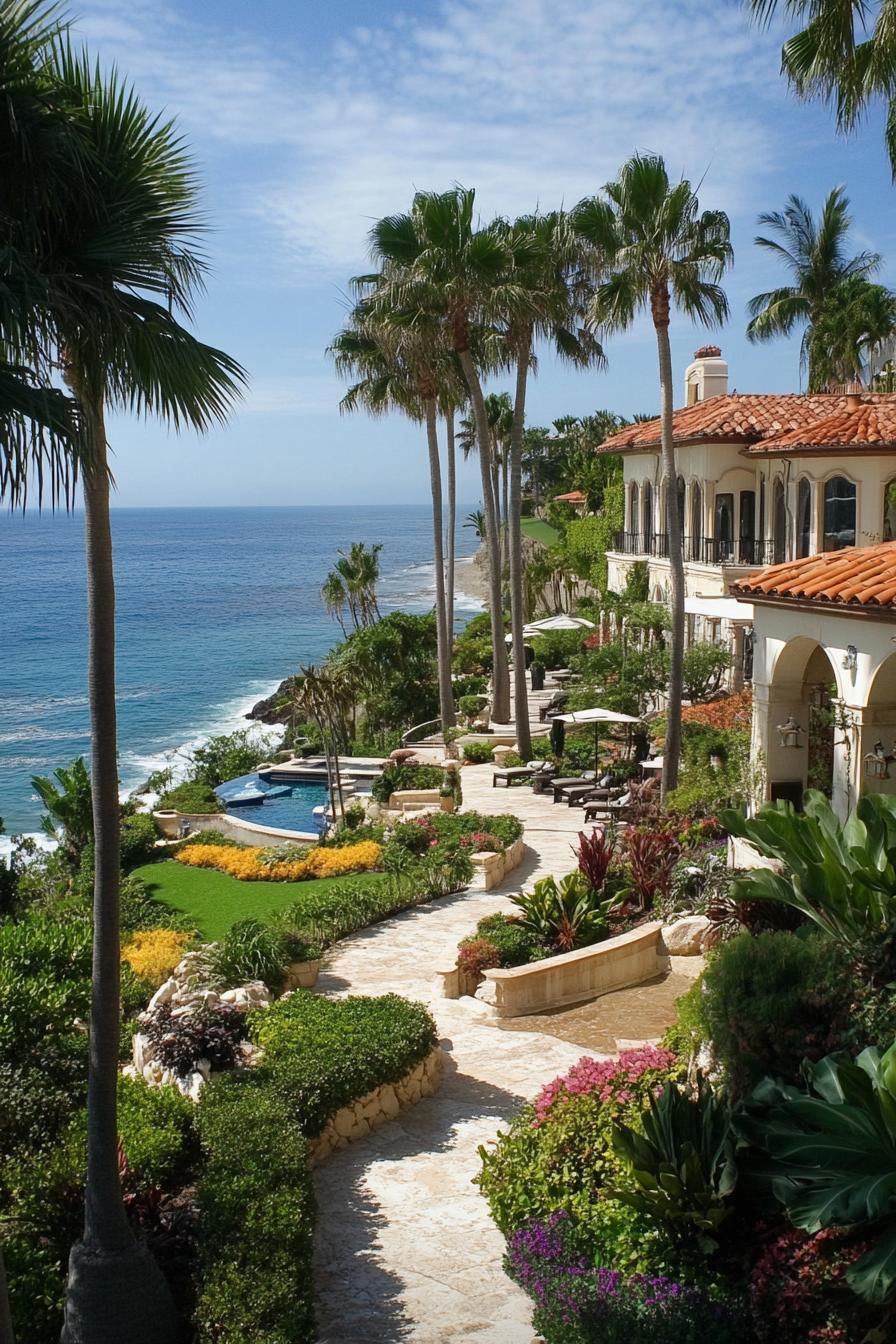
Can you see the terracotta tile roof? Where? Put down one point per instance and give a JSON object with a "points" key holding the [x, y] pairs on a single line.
{"points": [[862, 576], [866, 422], [767, 422], [572, 497]]}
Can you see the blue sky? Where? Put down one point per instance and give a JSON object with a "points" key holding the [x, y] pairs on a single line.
{"points": [[311, 119]]}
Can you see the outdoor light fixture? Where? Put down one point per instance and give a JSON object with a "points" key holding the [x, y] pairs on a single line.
{"points": [[817, 696], [789, 733], [850, 658], [877, 763]]}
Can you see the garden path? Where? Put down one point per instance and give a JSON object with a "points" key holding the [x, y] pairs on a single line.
{"points": [[405, 1246]]}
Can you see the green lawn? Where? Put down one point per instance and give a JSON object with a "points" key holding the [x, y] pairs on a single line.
{"points": [[540, 531], [216, 900]]}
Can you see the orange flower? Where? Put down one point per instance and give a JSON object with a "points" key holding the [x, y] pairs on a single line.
{"points": [[246, 865]]}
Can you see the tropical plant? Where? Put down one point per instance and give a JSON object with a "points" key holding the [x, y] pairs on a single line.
{"points": [[858, 318], [841, 56], [650, 247], [595, 854], [565, 914], [704, 666], [832, 1155], [476, 521], [70, 809], [226, 757], [839, 874], [814, 251], [652, 853], [437, 265], [681, 1163]]}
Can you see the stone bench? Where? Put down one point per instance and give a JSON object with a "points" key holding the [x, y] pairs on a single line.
{"points": [[575, 977]]}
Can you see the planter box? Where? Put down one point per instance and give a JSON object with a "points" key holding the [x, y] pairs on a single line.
{"points": [[575, 977], [384, 1103], [494, 867], [302, 974], [413, 798]]}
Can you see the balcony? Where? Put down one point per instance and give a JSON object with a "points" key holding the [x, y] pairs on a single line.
{"points": [[747, 551]]}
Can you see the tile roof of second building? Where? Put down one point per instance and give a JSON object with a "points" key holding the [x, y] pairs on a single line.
{"points": [[855, 576]]}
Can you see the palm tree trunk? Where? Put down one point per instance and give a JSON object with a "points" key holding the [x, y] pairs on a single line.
{"points": [[115, 1290], [451, 529], [672, 746], [443, 641], [500, 673], [505, 489], [515, 538], [6, 1331]]}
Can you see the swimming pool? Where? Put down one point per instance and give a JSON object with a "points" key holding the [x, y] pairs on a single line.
{"points": [[288, 807]]}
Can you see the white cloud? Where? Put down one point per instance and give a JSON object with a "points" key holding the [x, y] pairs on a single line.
{"points": [[309, 394], [516, 97]]}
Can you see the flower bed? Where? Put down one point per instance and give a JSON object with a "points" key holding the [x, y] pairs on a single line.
{"points": [[260, 865]]}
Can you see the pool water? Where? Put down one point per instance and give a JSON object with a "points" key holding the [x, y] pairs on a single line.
{"points": [[288, 807]]}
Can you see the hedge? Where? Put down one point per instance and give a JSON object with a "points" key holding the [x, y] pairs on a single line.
{"points": [[321, 1054], [256, 1217]]}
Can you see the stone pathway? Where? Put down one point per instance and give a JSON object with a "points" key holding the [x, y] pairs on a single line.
{"points": [[405, 1248]]}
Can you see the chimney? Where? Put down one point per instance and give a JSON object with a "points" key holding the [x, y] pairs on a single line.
{"points": [[706, 376]]}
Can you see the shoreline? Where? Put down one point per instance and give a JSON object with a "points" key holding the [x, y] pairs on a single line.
{"points": [[470, 578]]}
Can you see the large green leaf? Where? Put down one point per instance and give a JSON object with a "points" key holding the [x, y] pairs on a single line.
{"points": [[874, 1276]]}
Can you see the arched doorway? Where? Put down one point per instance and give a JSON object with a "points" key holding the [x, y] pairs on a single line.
{"points": [[633, 516], [839, 513], [803, 722], [696, 540], [804, 538], [647, 516], [879, 727]]}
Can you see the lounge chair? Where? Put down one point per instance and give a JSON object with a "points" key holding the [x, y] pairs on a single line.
{"points": [[543, 779], [560, 786], [555, 705], [513, 772], [606, 809]]}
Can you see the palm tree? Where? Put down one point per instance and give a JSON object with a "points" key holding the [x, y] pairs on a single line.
{"points": [[435, 261], [547, 303], [334, 597], [651, 248], [400, 369], [476, 522], [814, 252], [352, 583], [120, 262], [841, 57], [858, 318]]}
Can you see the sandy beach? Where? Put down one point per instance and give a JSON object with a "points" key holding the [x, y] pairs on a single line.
{"points": [[470, 578]]}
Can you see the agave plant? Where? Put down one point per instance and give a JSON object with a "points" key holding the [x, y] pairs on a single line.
{"points": [[682, 1166], [565, 914], [841, 875], [832, 1155]]}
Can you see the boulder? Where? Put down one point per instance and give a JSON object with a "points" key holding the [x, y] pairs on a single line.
{"points": [[688, 937], [164, 994]]}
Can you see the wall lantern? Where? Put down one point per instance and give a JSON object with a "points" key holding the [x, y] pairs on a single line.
{"points": [[789, 733], [877, 763], [850, 658], [818, 697]]}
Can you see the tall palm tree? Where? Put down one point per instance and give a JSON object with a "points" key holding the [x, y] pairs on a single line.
{"points": [[401, 368], [121, 262], [435, 261], [651, 247], [545, 255], [858, 318], [841, 56], [815, 254]]}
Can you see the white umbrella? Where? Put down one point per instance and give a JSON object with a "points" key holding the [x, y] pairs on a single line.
{"points": [[558, 622], [596, 716]]}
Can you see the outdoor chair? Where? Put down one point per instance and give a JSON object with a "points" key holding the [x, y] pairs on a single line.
{"points": [[560, 786], [606, 809], [543, 779], [513, 772]]}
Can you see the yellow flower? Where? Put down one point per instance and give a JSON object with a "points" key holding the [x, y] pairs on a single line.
{"points": [[246, 864], [153, 953]]}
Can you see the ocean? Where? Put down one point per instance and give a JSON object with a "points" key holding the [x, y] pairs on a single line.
{"points": [[215, 607]]}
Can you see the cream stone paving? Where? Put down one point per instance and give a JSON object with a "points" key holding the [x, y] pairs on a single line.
{"points": [[405, 1248]]}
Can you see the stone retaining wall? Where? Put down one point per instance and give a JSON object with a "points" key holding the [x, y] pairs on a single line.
{"points": [[382, 1104], [575, 977]]}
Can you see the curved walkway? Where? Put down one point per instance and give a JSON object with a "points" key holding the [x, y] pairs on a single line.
{"points": [[405, 1248]]}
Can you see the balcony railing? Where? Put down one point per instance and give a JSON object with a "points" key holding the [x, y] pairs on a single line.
{"points": [[699, 550]]}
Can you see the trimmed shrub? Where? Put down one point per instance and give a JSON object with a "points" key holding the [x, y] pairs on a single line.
{"points": [[256, 1217], [769, 1001], [191, 796], [477, 753], [321, 1054], [394, 778], [138, 838]]}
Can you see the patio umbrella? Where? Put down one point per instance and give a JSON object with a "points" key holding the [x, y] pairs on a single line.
{"points": [[597, 716], [559, 622]]}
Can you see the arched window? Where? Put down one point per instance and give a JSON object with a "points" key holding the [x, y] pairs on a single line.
{"points": [[696, 545], [888, 532], [779, 524], [724, 528], [679, 491], [804, 518], [647, 516], [839, 513], [633, 508]]}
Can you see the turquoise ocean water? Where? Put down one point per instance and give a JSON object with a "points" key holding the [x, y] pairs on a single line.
{"points": [[215, 607]]}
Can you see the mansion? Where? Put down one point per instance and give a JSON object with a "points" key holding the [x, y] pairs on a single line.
{"points": [[788, 513]]}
